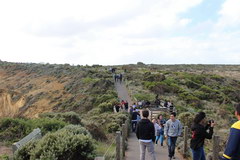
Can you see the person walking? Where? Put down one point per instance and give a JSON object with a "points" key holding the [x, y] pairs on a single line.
{"points": [[145, 133], [160, 135], [172, 129], [135, 115], [232, 150], [199, 134], [157, 129]]}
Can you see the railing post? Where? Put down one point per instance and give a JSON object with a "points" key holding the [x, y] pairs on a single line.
{"points": [[126, 128], [123, 140], [185, 141], [118, 145], [216, 142]]}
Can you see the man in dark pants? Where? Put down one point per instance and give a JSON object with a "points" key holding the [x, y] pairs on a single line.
{"points": [[134, 119], [172, 130], [146, 135]]}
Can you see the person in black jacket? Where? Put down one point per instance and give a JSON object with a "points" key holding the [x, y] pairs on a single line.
{"points": [[199, 133], [146, 135]]}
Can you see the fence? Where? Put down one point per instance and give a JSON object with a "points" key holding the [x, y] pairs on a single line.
{"points": [[215, 146], [120, 140], [35, 134]]}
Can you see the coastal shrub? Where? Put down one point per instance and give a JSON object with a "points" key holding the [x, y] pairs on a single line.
{"points": [[105, 107], [68, 117], [75, 129], [11, 129], [113, 127], [143, 96], [96, 131], [60, 145], [186, 118], [47, 125]]}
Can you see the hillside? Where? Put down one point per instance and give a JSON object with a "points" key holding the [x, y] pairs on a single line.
{"points": [[41, 95], [30, 89]]}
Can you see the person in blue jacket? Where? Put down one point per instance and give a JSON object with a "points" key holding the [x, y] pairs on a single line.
{"points": [[232, 150]]}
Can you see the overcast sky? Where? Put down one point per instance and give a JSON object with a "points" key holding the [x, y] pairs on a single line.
{"points": [[111, 32]]}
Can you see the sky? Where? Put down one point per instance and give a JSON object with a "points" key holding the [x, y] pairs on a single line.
{"points": [[112, 32]]}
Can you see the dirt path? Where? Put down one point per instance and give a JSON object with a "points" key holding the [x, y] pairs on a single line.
{"points": [[5, 150], [123, 92]]}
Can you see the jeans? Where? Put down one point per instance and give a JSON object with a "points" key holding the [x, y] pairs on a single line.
{"points": [[150, 148], [171, 146], [134, 125], [161, 139], [198, 154]]}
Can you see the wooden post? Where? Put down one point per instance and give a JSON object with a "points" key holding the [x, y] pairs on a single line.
{"points": [[123, 140], [118, 145], [216, 142], [126, 128], [185, 141]]}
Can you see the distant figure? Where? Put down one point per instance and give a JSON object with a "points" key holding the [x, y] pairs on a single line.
{"points": [[116, 77], [123, 104], [120, 77], [147, 103], [134, 105], [146, 135], [134, 119], [126, 105], [140, 104], [131, 110], [157, 101], [117, 107], [113, 70], [166, 104], [232, 150], [171, 107], [172, 130]]}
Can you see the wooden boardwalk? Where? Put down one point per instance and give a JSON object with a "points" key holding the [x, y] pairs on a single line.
{"points": [[133, 151]]}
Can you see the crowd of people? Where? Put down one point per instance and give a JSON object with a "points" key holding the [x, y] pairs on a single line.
{"points": [[150, 132]]}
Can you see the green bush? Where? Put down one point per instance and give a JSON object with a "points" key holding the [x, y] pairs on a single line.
{"points": [[143, 96], [68, 117], [47, 125], [186, 118], [104, 98], [75, 129], [121, 118], [60, 145], [4, 157], [191, 84], [105, 107], [24, 153], [11, 130], [96, 131], [113, 127], [201, 95]]}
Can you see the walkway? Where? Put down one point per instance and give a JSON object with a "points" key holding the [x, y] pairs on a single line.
{"points": [[122, 92], [133, 152]]}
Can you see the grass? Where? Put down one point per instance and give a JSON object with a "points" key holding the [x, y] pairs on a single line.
{"points": [[107, 149]]}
